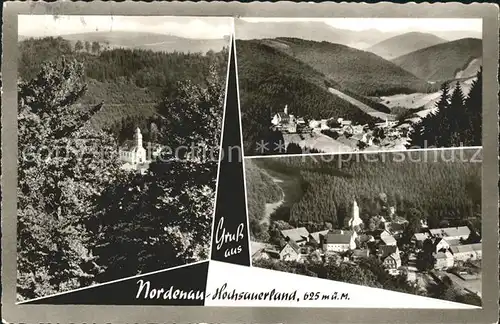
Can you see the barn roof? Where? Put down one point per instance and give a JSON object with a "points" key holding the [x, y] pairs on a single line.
{"points": [[316, 235], [331, 238]]}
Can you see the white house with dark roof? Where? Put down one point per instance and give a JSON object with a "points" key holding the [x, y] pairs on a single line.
{"points": [[290, 252], [467, 252], [392, 261], [461, 232], [444, 244], [389, 254]]}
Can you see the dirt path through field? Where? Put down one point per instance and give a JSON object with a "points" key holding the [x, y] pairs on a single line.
{"points": [[270, 208], [367, 109]]}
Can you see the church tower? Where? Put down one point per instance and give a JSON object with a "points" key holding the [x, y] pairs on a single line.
{"points": [[138, 138], [286, 110]]}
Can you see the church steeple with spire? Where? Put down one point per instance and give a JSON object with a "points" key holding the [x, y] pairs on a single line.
{"points": [[355, 220]]}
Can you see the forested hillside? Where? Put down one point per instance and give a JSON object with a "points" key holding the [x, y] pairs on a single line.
{"points": [[405, 43], [269, 79], [441, 62], [361, 72], [130, 82], [444, 185]]}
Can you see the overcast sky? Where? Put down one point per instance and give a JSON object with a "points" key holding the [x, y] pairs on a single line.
{"points": [[189, 27], [391, 24]]}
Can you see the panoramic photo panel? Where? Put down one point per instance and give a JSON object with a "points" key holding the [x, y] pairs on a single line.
{"points": [[407, 221], [340, 85], [119, 130]]}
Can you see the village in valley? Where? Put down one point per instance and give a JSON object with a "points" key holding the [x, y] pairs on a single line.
{"points": [[430, 256], [341, 135]]}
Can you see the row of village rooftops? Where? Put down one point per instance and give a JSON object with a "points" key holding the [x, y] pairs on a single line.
{"points": [[298, 242], [447, 243]]}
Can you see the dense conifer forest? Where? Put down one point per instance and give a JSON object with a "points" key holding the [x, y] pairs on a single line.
{"points": [[359, 71], [440, 186], [81, 219]]}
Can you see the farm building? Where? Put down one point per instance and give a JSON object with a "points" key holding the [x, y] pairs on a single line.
{"points": [[467, 252]]}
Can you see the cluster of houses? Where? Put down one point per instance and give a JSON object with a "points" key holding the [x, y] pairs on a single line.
{"points": [[298, 243], [448, 245], [288, 123]]}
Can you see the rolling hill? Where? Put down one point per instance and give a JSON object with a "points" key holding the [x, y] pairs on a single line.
{"points": [[442, 62], [358, 71], [403, 44], [151, 41]]}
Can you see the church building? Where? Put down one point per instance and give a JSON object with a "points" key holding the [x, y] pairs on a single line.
{"points": [[132, 151], [285, 121]]}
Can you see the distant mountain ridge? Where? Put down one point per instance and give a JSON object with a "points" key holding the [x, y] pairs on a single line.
{"points": [[442, 62], [146, 40], [405, 43]]}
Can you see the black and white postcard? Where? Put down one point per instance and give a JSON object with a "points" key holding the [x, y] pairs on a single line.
{"points": [[340, 85]]}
